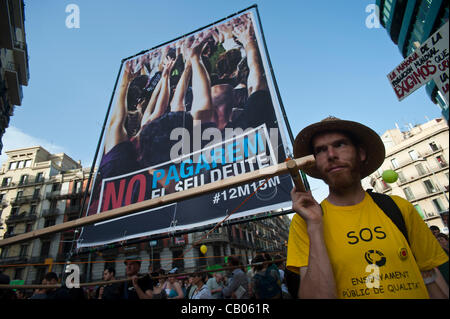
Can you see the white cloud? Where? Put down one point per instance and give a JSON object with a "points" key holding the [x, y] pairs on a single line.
{"points": [[14, 138]]}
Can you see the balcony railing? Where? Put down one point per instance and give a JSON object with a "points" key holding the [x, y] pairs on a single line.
{"points": [[14, 260], [25, 217], [25, 199], [50, 212], [427, 194], [213, 237]]}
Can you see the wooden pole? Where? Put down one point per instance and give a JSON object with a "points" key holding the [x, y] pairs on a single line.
{"points": [[263, 173], [293, 170]]}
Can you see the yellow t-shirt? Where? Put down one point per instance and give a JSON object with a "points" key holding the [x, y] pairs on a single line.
{"points": [[360, 236]]}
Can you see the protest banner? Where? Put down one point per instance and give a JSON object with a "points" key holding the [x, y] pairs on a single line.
{"points": [[428, 62], [196, 110]]}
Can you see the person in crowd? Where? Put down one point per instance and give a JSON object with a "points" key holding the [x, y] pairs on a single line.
{"points": [[202, 291], [328, 245], [443, 241], [266, 282], [6, 294], [173, 287], [435, 230], [190, 288], [109, 291], [281, 269], [158, 290], [238, 285], [140, 288], [51, 279], [444, 217], [215, 285]]}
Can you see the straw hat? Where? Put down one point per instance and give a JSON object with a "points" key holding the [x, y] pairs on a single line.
{"points": [[365, 136]]}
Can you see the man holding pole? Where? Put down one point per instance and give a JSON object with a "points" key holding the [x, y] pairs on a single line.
{"points": [[347, 246]]}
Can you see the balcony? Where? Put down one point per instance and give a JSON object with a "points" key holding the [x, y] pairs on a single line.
{"points": [[21, 59], [25, 200], [14, 260], [21, 218], [424, 195], [31, 181], [50, 212], [212, 238], [12, 77]]}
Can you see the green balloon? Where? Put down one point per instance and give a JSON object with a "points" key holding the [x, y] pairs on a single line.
{"points": [[389, 176]]}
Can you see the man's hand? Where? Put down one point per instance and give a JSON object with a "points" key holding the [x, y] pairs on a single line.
{"points": [[134, 281], [304, 204]]}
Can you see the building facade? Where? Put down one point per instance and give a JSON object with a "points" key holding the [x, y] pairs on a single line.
{"points": [[38, 189], [14, 70], [420, 157], [411, 22]]}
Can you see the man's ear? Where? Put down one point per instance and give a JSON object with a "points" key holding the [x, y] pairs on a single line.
{"points": [[362, 154]]}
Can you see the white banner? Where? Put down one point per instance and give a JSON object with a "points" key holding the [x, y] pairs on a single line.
{"points": [[429, 61]]}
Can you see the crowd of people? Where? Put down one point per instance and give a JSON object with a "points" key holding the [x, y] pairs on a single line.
{"points": [[263, 279]]}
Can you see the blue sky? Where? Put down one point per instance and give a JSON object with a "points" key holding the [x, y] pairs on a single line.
{"points": [[325, 59]]}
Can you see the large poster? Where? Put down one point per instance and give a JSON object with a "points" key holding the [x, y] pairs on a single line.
{"points": [[197, 110]]}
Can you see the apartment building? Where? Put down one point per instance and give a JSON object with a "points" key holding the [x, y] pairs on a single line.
{"points": [[420, 157], [14, 69], [38, 189]]}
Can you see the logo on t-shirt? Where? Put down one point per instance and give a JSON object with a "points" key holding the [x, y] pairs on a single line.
{"points": [[375, 257]]}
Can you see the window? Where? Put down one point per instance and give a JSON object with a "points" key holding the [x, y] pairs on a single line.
{"points": [[77, 187], [23, 250], [36, 193], [420, 211], [14, 211], [28, 228], [39, 177], [401, 177], [385, 185], [429, 186], [28, 163], [438, 205], [56, 187], [13, 165], [53, 204], [420, 169], [442, 163], [433, 147], [6, 181], [413, 155], [21, 164], [394, 163], [33, 209], [10, 230], [19, 195], [408, 193], [23, 180]]}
